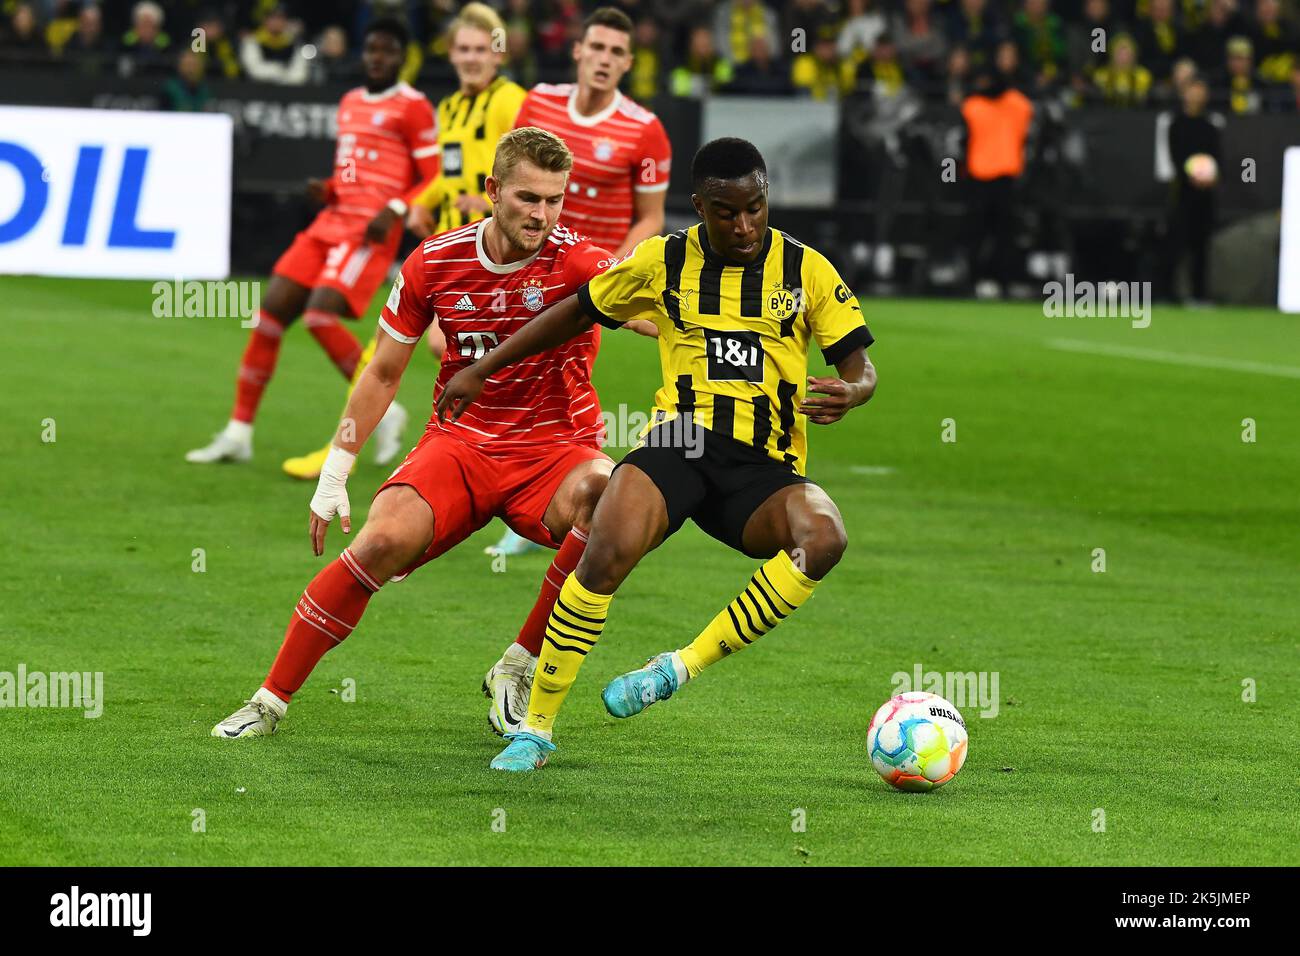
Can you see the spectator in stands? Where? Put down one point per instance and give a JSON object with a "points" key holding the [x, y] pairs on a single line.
{"points": [[333, 62], [222, 60], [1206, 46], [1123, 81], [761, 75], [186, 91], [976, 28], [62, 26], [1191, 200], [646, 75], [807, 21], [735, 25], [1086, 46], [24, 34], [959, 75], [863, 27], [272, 53], [1275, 42], [88, 47], [921, 43], [1041, 40], [1008, 71], [1289, 102], [1159, 39], [821, 73], [703, 72], [1237, 80], [145, 47], [884, 74], [997, 128]]}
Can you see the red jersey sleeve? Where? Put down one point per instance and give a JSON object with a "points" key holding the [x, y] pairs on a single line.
{"points": [[406, 314], [585, 262], [655, 160], [421, 130]]}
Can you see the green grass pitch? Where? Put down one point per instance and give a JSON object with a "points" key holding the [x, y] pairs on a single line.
{"points": [[1120, 692]]}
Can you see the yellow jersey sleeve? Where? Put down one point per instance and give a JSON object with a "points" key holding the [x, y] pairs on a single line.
{"points": [[627, 290], [833, 311], [505, 107], [431, 197]]}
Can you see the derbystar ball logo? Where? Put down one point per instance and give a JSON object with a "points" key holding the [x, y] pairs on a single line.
{"points": [[534, 295]]}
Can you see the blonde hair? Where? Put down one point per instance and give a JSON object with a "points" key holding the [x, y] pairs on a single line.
{"points": [[544, 150], [477, 16]]}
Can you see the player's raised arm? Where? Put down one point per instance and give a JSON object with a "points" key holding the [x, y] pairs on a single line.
{"points": [[561, 322]]}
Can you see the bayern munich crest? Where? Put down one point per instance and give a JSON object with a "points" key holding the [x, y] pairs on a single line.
{"points": [[533, 295], [604, 149]]}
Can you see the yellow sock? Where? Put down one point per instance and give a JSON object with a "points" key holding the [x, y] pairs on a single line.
{"points": [[362, 362], [774, 593], [573, 629]]}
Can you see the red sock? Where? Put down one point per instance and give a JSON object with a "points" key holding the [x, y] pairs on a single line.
{"points": [[530, 635], [338, 342], [327, 612], [257, 366]]}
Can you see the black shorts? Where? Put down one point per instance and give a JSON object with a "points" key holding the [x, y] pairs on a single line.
{"points": [[718, 484]]}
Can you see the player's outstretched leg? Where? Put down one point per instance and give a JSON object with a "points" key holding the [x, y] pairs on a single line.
{"points": [[630, 520], [803, 527], [386, 440], [284, 301], [512, 545], [398, 531], [568, 514]]}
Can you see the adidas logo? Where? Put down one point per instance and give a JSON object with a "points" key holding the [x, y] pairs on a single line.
{"points": [[464, 303]]}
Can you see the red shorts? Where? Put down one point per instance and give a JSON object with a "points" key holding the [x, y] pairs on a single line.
{"points": [[354, 267], [467, 487]]}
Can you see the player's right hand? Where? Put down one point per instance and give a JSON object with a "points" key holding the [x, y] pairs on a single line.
{"points": [[331, 498], [459, 393]]}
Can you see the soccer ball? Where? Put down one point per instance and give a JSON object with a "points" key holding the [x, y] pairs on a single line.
{"points": [[917, 741], [1201, 169]]}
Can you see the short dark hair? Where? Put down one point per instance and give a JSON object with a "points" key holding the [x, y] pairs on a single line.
{"points": [[394, 27], [610, 17], [727, 158]]}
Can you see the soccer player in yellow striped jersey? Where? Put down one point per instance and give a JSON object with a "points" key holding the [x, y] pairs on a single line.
{"points": [[470, 122], [738, 306]]}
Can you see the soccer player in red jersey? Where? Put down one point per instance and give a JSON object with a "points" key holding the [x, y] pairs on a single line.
{"points": [[528, 453], [621, 154], [387, 152]]}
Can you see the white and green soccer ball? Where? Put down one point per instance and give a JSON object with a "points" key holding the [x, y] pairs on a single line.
{"points": [[917, 741]]}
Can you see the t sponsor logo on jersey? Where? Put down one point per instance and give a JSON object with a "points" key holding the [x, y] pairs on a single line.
{"points": [[464, 303], [604, 148], [534, 295], [475, 345]]}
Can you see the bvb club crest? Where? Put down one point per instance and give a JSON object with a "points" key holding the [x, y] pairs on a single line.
{"points": [[782, 302], [534, 298], [604, 149]]}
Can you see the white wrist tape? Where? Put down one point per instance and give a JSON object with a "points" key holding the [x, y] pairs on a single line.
{"points": [[338, 464]]}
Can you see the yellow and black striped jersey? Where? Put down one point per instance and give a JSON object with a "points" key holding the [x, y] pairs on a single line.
{"points": [[733, 340], [468, 130]]}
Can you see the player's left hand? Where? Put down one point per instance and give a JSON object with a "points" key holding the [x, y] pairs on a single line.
{"points": [[378, 228], [643, 327], [470, 205], [459, 393], [839, 397]]}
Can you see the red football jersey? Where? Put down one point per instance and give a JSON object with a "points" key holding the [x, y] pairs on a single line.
{"points": [[619, 151], [478, 304], [387, 149]]}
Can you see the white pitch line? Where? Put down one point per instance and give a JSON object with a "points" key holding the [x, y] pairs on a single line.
{"points": [[1174, 358], [871, 469]]}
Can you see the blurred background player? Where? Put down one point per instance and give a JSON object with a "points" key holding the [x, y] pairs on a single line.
{"points": [[621, 154], [470, 123], [1194, 149], [386, 154], [530, 452]]}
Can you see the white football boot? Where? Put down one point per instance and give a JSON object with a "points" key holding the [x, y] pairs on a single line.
{"points": [[388, 434], [257, 718], [508, 683], [232, 443]]}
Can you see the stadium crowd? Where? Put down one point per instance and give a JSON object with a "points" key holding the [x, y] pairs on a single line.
{"points": [[1123, 53]]}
